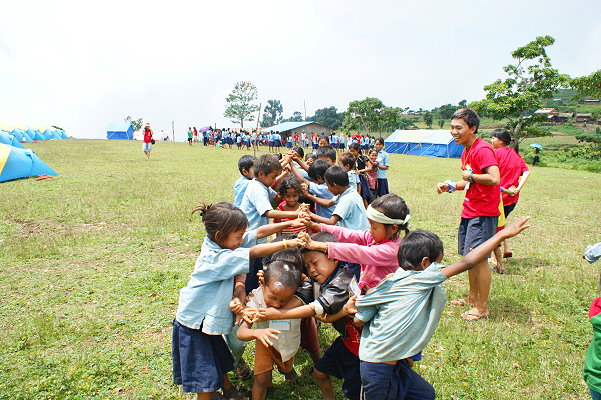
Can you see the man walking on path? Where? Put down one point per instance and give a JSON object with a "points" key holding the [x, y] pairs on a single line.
{"points": [[479, 218]]}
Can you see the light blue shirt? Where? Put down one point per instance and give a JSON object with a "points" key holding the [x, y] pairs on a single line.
{"points": [[353, 179], [205, 300], [383, 159], [322, 192], [402, 313], [239, 189], [350, 209], [255, 203]]}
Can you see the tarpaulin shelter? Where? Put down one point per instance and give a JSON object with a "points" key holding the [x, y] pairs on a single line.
{"points": [[18, 163], [421, 142], [120, 130], [10, 140]]}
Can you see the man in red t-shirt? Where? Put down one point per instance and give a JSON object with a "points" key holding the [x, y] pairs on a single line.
{"points": [[480, 215], [147, 142]]}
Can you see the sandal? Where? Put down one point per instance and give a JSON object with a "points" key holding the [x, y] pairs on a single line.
{"points": [[291, 376], [471, 316], [459, 302], [229, 394], [500, 271], [243, 370]]}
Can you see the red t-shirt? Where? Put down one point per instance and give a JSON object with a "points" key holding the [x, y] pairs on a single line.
{"points": [[511, 167], [147, 136], [352, 337], [288, 231], [480, 200]]}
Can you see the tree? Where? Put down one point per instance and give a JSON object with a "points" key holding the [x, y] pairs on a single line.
{"points": [[529, 81], [428, 119], [136, 123], [588, 86], [441, 123], [297, 116], [329, 117], [272, 113], [444, 111], [364, 114], [240, 105], [462, 104]]}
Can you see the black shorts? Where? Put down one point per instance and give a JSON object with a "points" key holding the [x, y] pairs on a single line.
{"points": [[508, 209], [475, 231], [338, 361]]}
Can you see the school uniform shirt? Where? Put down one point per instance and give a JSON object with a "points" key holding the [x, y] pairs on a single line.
{"points": [[383, 160], [377, 259], [353, 179], [239, 189], [288, 341], [511, 167], [349, 207], [322, 192], [480, 200], [205, 299], [255, 203], [401, 314]]}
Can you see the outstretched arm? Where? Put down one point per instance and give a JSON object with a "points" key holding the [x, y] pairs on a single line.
{"points": [[264, 249], [479, 253], [270, 229]]}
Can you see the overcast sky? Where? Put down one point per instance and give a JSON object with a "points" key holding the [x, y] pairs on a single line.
{"points": [[81, 65]]}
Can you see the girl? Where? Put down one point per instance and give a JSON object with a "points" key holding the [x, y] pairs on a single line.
{"points": [[201, 358], [371, 174], [382, 165], [290, 191], [376, 248]]}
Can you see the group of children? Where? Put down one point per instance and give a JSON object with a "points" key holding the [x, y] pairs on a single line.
{"points": [[334, 260]]}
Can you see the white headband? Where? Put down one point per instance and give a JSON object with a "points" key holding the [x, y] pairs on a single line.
{"points": [[377, 216]]}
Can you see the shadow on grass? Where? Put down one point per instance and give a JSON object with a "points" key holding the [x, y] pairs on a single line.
{"points": [[508, 309], [525, 265]]}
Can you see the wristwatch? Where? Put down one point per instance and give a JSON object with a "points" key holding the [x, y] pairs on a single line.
{"points": [[471, 177]]}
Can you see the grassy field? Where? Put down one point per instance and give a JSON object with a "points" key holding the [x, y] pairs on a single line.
{"points": [[92, 262]]}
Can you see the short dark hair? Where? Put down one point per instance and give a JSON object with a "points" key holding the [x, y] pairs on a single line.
{"points": [[288, 274], [317, 169], [246, 162], [503, 135], [290, 182], [326, 151], [348, 160], [223, 217], [336, 175], [393, 207], [321, 237], [417, 245], [469, 116], [267, 163], [271, 257], [355, 146], [299, 150], [381, 140]]}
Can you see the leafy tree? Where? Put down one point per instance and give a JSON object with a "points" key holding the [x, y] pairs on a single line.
{"points": [[591, 137], [588, 85], [428, 119], [136, 123], [444, 111], [328, 116], [441, 123], [529, 81], [462, 104], [297, 116], [364, 114], [240, 105], [272, 113]]}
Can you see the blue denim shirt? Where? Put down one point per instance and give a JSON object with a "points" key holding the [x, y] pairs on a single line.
{"points": [[205, 300]]}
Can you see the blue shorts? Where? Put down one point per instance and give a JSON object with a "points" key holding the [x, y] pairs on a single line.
{"points": [[382, 187], [289, 144], [252, 281], [475, 231], [199, 360], [391, 382], [147, 146], [270, 143], [277, 143], [315, 146], [339, 362]]}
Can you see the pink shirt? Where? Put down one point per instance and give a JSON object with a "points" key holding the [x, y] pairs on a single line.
{"points": [[377, 259]]}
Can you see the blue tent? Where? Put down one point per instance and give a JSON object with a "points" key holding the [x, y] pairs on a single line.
{"points": [[48, 134], [18, 163], [24, 135], [120, 130], [10, 140], [62, 134], [36, 135], [431, 143]]}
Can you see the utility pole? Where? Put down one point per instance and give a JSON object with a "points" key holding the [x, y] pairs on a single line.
{"points": [[173, 129]]}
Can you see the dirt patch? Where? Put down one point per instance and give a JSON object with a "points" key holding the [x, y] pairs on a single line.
{"points": [[38, 227]]}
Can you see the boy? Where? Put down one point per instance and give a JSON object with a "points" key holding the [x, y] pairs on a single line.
{"points": [[400, 315], [349, 162], [278, 286], [341, 358], [318, 187], [349, 211], [246, 167], [327, 153]]}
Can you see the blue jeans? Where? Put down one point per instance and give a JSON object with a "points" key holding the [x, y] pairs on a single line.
{"points": [[393, 382], [595, 395]]}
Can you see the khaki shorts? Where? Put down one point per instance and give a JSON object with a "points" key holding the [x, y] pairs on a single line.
{"points": [[265, 357]]}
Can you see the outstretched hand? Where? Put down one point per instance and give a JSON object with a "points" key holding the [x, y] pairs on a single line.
{"points": [[265, 314], [517, 227], [264, 334], [350, 307], [442, 187]]}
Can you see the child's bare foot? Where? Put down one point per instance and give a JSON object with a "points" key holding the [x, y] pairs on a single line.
{"points": [[462, 302], [474, 315]]}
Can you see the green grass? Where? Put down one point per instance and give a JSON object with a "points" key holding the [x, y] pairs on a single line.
{"points": [[92, 262]]}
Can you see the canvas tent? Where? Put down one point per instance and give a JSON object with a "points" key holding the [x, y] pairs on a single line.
{"points": [[9, 139], [120, 130], [431, 143], [18, 163]]}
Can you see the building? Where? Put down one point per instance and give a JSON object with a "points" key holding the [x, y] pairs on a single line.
{"points": [[561, 118], [592, 102], [288, 129], [584, 118], [549, 112]]}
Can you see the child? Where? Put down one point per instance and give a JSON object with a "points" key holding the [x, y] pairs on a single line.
{"points": [[349, 211], [190, 134], [371, 173], [401, 314], [382, 164], [239, 141], [201, 358], [246, 167], [327, 153], [323, 141], [361, 168], [375, 249], [341, 358], [318, 187], [278, 285], [349, 163], [290, 191]]}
